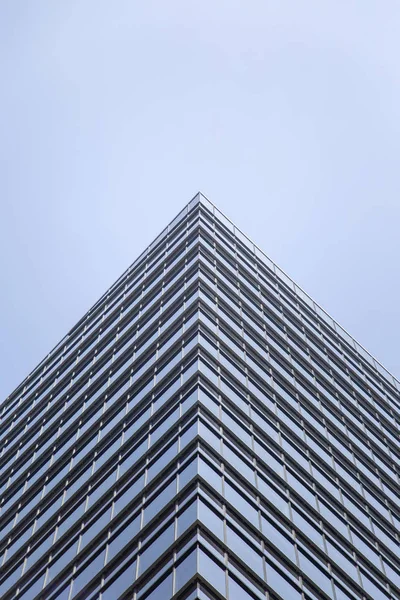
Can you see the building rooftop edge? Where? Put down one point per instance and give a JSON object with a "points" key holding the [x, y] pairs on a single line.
{"points": [[297, 288], [196, 199]]}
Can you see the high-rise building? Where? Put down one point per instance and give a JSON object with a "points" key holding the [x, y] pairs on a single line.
{"points": [[204, 431]]}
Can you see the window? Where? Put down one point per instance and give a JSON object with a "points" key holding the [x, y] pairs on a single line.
{"points": [[185, 570], [212, 572], [245, 552], [280, 584], [153, 552]]}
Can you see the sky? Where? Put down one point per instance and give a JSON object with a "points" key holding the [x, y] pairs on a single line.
{"points": [[286, 115]]}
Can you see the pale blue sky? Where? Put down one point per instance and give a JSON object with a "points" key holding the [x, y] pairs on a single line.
{"points": [[114, 114]]}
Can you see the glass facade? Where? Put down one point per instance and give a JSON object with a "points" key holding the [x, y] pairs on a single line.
{"points": [[204, 431]]}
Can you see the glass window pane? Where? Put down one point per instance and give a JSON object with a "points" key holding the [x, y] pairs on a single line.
{"points": [[123, 538], [275, 537], [210, 475], [188, 473], [185, 570], [315, 574], [187, 517], [281, 585], [212, 572], [241, 504], [211, 520], [154, 551], [162, 591], [121, 583], [160, 500], [88, 573], [245, 552]]}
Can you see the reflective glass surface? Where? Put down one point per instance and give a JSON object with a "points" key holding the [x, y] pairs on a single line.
{"points": [[204, 431]]}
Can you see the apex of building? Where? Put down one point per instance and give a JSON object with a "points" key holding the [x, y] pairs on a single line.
{"points": [[204, 431]]}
